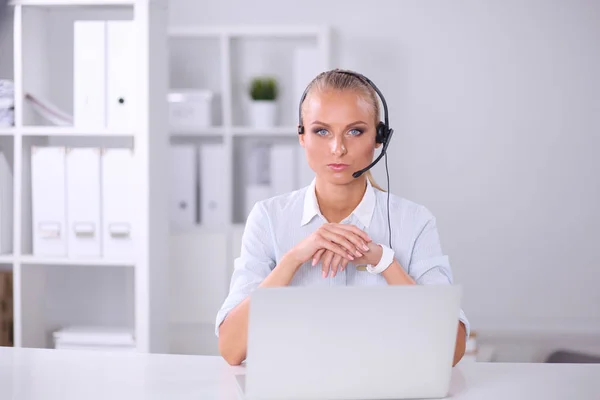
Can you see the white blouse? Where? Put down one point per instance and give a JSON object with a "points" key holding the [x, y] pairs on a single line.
{"points": [[277, 224]]}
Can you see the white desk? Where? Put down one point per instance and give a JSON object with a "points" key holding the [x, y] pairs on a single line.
{"points": [[70, 375]]}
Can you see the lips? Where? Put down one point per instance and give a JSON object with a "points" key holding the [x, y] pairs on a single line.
{"points": [[338, 167]]}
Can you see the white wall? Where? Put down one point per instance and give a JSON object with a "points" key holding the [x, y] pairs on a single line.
{"points": [[495, 106]]}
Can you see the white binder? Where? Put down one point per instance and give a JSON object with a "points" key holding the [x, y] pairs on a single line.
{"points": [[305, 173], [83, 202], [118, 233], [6, 203], [283, 168], [120, 58], [183, 204], [213, 201], [89, 74], [48, 201], [103, 74]]}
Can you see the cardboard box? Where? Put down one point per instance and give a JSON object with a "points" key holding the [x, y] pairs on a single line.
{"points": [[6, 309]]}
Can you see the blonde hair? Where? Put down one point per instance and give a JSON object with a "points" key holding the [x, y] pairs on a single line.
{"points": [[339, 79]]}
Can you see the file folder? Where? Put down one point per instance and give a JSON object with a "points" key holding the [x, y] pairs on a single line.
{"points": [[83, 202], [183, 204], [89, 74], [48, 201], [118, 233]]}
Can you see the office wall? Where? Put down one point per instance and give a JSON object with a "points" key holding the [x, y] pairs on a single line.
{"points": [[495, 106]]}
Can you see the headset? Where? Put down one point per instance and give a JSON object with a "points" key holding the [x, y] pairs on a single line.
{"points": [[383, 135]]}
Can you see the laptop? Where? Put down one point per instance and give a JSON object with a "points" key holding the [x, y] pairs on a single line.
{"points": [[369, 342]]}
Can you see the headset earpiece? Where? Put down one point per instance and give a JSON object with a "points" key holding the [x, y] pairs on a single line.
{"points": [[381, 133]]}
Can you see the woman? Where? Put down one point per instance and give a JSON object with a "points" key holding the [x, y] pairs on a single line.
{"points": [[336, 230]]}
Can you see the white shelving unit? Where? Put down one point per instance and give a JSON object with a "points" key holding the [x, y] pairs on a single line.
{"points": [[55, 292], [224, 59]]}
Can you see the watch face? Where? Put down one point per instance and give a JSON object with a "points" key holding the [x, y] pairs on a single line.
{"points": [[361, 267]]}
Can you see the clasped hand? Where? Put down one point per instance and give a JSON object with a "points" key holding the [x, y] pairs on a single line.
{"points": [[336, 245]]}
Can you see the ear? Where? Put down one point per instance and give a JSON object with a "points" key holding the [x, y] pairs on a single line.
{"points": [[301, 139], [377, 144]]}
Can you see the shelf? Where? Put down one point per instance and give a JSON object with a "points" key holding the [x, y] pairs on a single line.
{"points": [[84, 262], [8, 131], [6, 258], [286, 131], [189, 132], [246, 31], [59, 131], [71, 3]]}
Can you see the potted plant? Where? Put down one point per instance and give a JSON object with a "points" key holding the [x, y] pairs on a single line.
{"points": [[263, 94]]}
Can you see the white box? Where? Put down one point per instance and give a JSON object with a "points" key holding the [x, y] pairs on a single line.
{"points": [[189, 108], [89, 74], [83, 202], [48, 201], [103, 74], [183, 204], [118, 230], [94, 335], [6, 205], [120, 70], [213, 200]]}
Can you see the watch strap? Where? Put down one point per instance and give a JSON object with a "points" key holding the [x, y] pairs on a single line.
{"points": [[387, 258]]}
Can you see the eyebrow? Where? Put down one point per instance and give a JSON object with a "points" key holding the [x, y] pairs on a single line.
{"points": [[351, 124]]}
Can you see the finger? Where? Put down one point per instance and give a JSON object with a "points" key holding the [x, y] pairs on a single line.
{"points": [[344, 264], [350, 233], [326, 263], [317, 256], [354, 229], [335, 265], [326, 244], [342, 241]]}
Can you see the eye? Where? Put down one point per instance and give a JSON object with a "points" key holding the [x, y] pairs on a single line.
{"points": [[320, 132], [355, 132]]}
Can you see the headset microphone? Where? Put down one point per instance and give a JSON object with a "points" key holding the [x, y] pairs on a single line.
{"points": [[383, 152]]}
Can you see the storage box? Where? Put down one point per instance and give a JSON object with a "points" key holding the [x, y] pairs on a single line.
{"points": [[189, 108], [6, 308], [94, 338]]}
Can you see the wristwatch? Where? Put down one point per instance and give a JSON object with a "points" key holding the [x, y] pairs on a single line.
{"points": [[387, 258]]}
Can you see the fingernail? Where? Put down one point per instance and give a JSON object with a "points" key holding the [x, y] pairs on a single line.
{"points": [[324, 274], [358, 253], [365, 247]]}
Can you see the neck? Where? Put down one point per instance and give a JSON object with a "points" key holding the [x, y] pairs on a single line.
{"points": [[336, 202]]}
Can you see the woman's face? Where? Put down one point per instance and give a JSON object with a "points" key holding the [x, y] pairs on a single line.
{"points": [[339, 134]]}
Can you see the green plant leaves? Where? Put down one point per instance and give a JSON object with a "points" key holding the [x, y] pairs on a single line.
{"points": [[263, 88]]}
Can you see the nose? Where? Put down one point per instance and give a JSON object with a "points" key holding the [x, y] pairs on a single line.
{"points": [[338, 147]]}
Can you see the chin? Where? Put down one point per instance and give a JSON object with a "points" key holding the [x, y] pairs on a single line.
{"points": [[340, 178]]}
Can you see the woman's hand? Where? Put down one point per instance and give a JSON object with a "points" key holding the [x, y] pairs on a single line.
{"points": [[332, 261], [344, 241]]}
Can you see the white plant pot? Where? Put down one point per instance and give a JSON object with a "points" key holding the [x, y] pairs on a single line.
{"points": [[263, 113]]}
